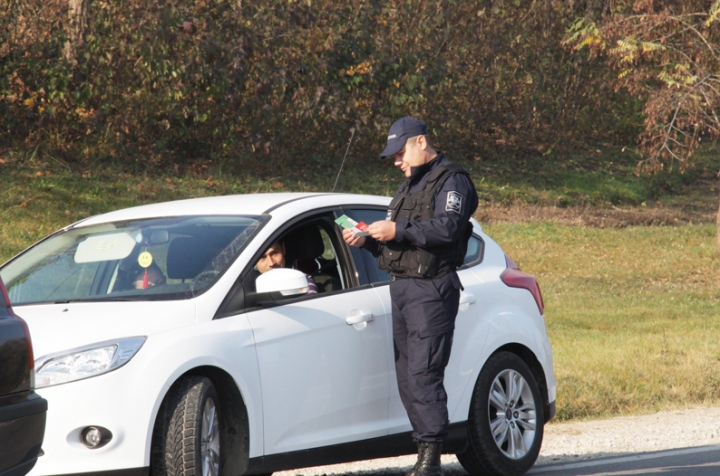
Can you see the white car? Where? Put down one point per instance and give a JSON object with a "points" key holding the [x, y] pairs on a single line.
{"points": [[217, 369]]}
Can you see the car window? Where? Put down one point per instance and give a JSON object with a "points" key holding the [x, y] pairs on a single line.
{"points": [[167, 258], [475, 251], [312, 245], [311, 248], [366, 264]]}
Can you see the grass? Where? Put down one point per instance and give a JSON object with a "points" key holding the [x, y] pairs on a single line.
{"points": [[632, 313]]}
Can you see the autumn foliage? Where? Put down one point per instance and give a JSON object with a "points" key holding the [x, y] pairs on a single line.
{"points": [[667, 53], [173, 82]]}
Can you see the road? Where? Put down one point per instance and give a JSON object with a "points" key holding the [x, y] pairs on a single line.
{"points": [[696, 461], [700, 461], [681, 442]]}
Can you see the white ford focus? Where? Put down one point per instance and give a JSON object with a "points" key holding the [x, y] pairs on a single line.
{"points": [[162, 350]]}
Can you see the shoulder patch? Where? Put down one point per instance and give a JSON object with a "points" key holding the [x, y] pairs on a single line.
{"points": [[454, 202]]}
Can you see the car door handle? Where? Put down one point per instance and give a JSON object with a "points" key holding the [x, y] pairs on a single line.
{"points": [[356, 317], [466, 298]]}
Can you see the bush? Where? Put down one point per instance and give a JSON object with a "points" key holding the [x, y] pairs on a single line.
{"points": [[280, 84]]}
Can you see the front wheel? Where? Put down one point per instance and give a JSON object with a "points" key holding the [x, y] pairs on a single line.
{"points": [[505, 421], [186, 441]]}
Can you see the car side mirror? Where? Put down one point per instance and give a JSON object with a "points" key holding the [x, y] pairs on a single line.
{"points": [[284, 281], [276, 285]]}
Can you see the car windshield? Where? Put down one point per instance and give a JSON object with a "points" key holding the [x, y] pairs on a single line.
{"points": [[151, 259]]}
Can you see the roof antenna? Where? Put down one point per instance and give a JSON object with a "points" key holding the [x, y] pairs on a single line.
{"points": [[343, 160]]}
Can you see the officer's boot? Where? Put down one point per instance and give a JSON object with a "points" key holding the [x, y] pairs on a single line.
{"points": [[428, 463], [413, 471]]}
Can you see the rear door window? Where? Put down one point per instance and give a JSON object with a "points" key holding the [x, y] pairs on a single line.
{"points": [[365, 263]]}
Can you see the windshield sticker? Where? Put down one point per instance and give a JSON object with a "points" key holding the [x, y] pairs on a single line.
{"points": [[107, 247]]}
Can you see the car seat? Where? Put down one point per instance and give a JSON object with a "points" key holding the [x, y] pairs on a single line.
{"points": [[304, 248]]}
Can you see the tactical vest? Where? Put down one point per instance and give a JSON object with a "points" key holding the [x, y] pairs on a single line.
{"points": [[407, 260]]}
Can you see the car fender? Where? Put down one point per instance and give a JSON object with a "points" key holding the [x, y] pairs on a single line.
{"points": [[171, 355], [503, 326]]}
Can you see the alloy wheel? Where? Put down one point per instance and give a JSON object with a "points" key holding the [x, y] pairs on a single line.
{"points": [[512, 414], [210, 440]]}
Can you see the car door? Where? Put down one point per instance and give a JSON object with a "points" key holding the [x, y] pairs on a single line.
{"points": [[323, 359], [379, 279], [466, 339]]}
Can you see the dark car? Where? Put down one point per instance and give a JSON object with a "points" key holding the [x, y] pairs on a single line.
{"points": [[22, 411]]}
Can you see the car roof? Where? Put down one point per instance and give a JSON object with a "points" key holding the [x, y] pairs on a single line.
{"points": [[249, 204]]}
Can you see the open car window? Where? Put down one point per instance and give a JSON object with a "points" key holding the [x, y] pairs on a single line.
{"points": [[312, 250], [312, 246], [161, 258]]}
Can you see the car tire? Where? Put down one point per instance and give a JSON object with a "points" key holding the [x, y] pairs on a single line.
{"points": [[186, 440], [505, 429]]}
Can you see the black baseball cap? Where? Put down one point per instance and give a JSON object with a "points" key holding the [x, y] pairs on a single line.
{"points": [[400, 132]]}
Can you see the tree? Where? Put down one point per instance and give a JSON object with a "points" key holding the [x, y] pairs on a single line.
{"points": [[667, 52], [75, 25]]}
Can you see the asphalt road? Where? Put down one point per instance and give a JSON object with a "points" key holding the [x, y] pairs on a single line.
{"points": [[666, 443], [696, 461], [699, 461]]}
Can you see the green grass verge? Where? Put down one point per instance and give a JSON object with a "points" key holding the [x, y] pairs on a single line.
{"points": [[632, 314]]}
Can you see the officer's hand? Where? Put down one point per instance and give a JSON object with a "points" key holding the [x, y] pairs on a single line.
{"points": [[353, 241], [382, 230]]}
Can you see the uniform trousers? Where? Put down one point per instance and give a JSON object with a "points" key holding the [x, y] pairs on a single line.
{"points": [[423, 313]]}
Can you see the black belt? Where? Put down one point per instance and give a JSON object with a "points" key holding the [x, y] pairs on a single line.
{"points": [[439, 275]]}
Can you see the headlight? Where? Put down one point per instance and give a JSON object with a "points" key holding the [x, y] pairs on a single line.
{"points": [[85, 362]]}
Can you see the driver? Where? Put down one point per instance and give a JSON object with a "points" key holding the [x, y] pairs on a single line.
{"points": [[274, 257], [155, 277]]}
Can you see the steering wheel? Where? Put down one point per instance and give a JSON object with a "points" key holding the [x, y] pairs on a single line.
{"points": [[206, 276]]}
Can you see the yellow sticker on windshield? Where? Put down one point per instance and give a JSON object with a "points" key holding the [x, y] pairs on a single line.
{"points": [[145, 259]]}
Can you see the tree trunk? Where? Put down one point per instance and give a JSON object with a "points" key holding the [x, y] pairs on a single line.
{"points": [[75, 27], [717, 220]]}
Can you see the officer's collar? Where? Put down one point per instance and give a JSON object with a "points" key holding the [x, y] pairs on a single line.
{"points": [[420, 170]]}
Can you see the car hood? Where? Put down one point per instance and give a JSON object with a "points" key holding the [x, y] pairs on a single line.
{"points": [[59, 327]]}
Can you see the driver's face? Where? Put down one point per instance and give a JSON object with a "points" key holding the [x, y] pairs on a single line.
{"points": [[273, 258]]}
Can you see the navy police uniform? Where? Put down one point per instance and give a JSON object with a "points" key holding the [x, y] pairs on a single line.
{"points": [[425, 288]]}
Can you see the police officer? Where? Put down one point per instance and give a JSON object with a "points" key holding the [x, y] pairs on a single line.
{"points": [[421, 243]]}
